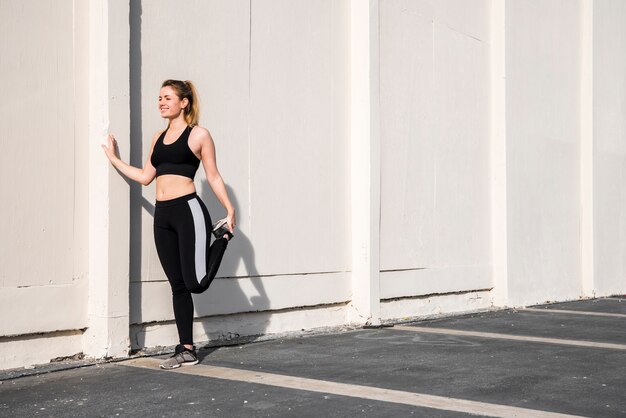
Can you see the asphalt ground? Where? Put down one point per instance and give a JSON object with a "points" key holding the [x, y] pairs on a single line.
{"points": [[564, 359]]}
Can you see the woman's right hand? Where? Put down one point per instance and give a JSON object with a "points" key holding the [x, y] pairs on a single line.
{"points": [[111, 150]]}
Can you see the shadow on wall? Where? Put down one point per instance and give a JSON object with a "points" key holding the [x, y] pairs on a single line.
{"points": [[231, 293], [137, 201]]}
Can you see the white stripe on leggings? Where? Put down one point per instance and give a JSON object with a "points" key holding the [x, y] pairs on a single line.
{"points": [[200, 245]]}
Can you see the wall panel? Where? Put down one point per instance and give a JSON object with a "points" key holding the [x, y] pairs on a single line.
{"points": [[609, 134], [434, 144], [245, 294], [272, 83], [206, 42], [299, 136], [43, 170], [543, 139]]}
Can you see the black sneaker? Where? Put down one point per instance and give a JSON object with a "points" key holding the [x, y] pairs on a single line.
{"points": [[182, 357], [220, 228]]}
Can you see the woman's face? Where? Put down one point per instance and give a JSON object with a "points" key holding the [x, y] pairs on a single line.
{"points": [[170, 105]]}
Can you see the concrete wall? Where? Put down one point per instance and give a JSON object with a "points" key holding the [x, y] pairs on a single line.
{"points": [[43, 181], [609, 146], [387, 159], [272, 79], [435, 178], [543, 80]]}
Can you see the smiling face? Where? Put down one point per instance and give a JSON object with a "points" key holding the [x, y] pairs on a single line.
{"points": [[170, 105]]}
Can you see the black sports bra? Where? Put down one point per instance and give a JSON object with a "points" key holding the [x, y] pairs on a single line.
{"points": [[175, 158]]}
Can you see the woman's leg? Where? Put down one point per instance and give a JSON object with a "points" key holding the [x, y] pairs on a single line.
{"points": [[199, 261], [166, 241]]}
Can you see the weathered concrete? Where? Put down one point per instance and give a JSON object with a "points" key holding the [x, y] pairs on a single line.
{"points": [[555, 378], [113, 390]]}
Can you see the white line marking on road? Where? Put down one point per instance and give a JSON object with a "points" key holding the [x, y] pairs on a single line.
{"points": [[606, 314], [578, 343], [355, 391]]}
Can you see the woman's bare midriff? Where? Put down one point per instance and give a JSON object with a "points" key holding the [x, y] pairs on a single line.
{"points": [[171, 186]]}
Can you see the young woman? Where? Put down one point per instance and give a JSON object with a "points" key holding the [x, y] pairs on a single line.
{"points": [[182, 224]]}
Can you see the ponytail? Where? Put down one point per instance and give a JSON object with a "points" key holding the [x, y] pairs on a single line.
{"points": [[186, 90], [192, 111]]}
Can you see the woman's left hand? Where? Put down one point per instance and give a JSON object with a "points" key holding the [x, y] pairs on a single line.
{"points": [[231, 221]]}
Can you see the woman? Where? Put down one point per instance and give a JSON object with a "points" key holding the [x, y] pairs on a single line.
{"points": [[181, 220]]}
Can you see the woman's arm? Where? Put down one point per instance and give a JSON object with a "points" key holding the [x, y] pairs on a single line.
{"points": [[143, 176], [213, 175]]}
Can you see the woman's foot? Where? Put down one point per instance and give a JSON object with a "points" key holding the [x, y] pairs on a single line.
{"points": [[182, 357], [220, 230]]}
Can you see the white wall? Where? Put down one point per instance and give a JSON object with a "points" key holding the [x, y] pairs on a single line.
{"points": [[275, 83], [543, 62], [435, 197], [211, 48], [609, 134], [43, 181], [272, 79]]}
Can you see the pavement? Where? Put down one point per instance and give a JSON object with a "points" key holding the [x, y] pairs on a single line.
{"points": [[557, 360]]}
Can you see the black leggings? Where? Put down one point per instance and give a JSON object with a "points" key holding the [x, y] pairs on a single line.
{"points": [[182, 233]]}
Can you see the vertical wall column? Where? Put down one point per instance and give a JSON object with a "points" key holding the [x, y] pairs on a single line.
{"points": [[498, 154], [108, 311], [587, 150], [365, 160]]}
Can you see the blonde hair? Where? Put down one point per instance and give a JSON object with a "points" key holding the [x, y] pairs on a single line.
{"points": [[186, 90]]}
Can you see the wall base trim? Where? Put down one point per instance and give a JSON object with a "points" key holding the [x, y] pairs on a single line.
{"points": [[17, 351]]}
